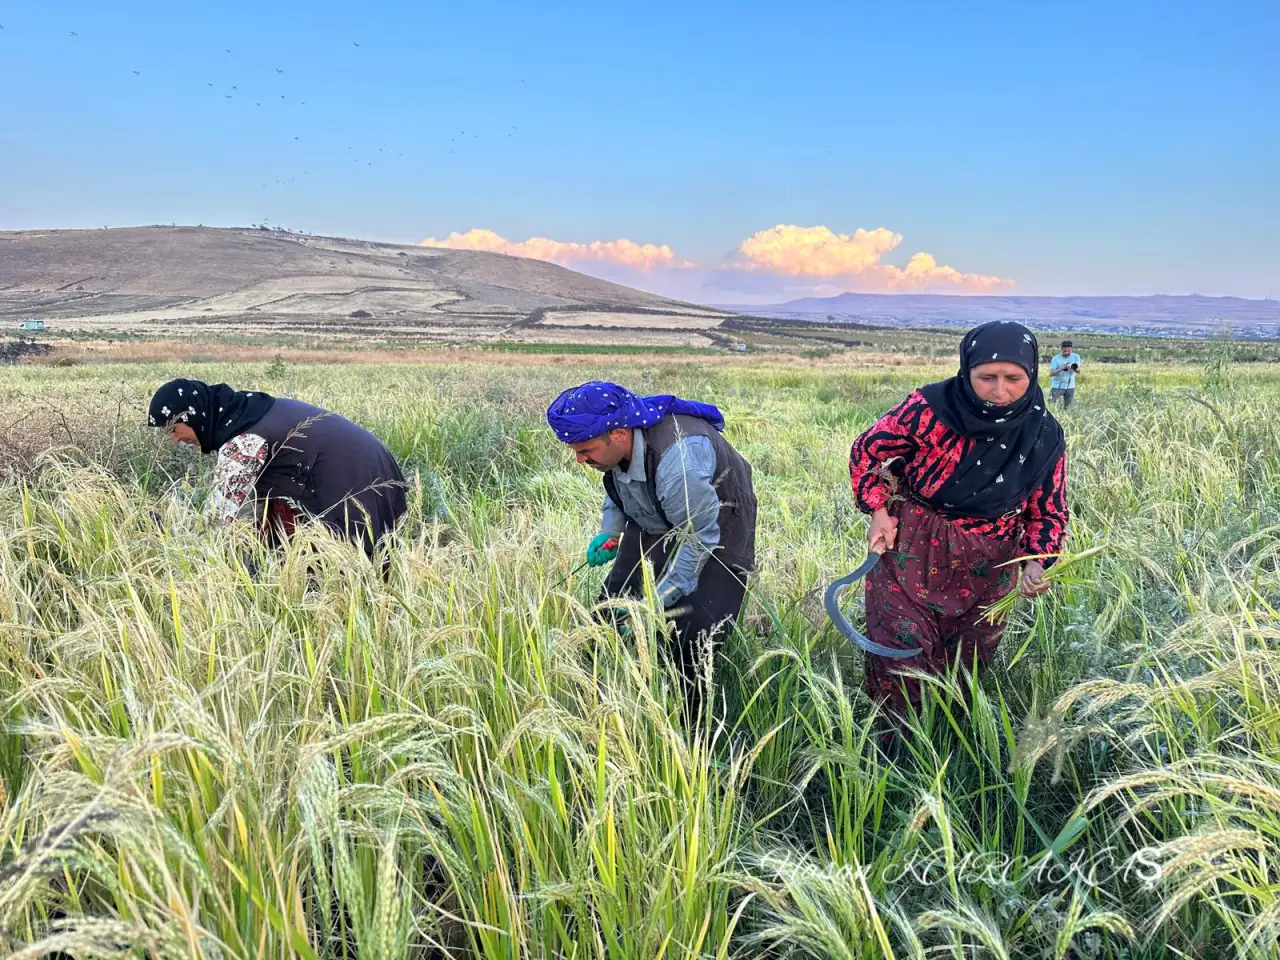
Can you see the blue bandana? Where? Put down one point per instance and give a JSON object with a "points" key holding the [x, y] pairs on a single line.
{"points": [[593, 409]]}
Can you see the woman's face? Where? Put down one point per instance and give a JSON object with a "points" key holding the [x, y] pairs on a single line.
{"points": [[999, 383], [179, 432]]}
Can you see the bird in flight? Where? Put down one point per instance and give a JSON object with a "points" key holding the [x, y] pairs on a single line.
{"points": [[73, 33], [227, 95], [211, 84], [137, 73], [228, 51], [354, 44], [278, 70]]}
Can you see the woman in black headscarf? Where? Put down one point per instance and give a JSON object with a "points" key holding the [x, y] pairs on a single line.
{"points": [[960, 478], [285, 461]]}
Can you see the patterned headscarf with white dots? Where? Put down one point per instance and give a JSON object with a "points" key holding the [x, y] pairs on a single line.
{"points": [[1012, 449], [215, 412], [593, 409]]}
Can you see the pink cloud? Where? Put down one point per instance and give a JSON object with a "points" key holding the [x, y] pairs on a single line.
{"points": [[854, 258], [627, 253], [782, 262], [922, 272], [816, 251]]}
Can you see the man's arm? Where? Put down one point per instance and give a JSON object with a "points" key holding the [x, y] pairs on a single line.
{"points": [[612, 519], [692, 505]]}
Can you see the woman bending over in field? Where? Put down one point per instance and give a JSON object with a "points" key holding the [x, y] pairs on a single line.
{"points": [[284, 461], [960, 478]]}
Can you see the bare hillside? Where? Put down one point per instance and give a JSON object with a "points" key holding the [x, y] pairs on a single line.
{"points": [[166, 280]]}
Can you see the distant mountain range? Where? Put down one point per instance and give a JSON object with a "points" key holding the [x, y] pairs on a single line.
{"points": [[1155, 315]]}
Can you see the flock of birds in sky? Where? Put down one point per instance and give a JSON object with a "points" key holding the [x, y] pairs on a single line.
{"points": [[456, 141]]}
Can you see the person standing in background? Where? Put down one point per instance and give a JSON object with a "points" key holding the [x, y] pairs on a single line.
{"points": [[1064, 366]]}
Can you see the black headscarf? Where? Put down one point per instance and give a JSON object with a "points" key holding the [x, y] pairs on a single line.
{"points": [[216, 413], [1015, 447]]}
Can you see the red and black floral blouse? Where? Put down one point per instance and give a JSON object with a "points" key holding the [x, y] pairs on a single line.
{"points": [[926, 452]]}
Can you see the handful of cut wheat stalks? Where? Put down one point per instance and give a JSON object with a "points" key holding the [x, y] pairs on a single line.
{"points": [[1060, 572]]}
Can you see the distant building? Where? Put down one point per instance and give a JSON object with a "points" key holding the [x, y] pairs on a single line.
{"points": [[33, 325]]}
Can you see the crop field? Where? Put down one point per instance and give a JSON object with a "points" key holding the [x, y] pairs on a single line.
{"points": [[212, 751]]}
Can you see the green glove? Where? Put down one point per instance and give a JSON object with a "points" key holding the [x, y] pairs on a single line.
{"points": [[620, 616], [603, 548]]}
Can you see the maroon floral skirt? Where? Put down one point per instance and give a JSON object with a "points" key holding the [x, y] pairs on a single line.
{"points": [[278, 522], [929, 592]]}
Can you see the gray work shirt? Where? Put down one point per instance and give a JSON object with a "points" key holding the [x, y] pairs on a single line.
{"points": [[684, 486]]}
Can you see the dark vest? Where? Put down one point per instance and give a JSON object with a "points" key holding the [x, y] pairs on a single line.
{"points": [[336, 471], [732, 482]]}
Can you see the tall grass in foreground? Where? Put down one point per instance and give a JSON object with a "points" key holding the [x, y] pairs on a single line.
{"points": [[209, 751]]}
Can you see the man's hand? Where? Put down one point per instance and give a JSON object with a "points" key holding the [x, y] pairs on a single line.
{"points": [[882, 534], [619, 617], [602, 549], [1032, 583]]}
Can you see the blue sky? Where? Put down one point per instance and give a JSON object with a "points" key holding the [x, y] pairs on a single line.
{"points": [[1044, 149]]}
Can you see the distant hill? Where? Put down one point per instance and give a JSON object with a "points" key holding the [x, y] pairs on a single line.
{"points": [[1154, 315], [180, 280]]}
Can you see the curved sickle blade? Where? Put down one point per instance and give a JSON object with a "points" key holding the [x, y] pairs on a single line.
{"points": [[832, 603]]}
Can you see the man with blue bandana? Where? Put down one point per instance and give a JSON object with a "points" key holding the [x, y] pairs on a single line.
{"points": [[677, 494]]}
